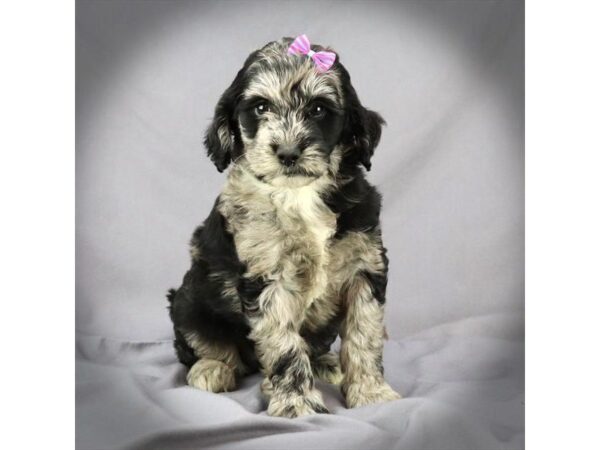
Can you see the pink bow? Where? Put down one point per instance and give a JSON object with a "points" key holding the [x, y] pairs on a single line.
{"points": [[301, 46]]}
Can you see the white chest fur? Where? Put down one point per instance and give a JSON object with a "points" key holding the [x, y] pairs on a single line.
{"points": [[281, 233], [302, 210]]}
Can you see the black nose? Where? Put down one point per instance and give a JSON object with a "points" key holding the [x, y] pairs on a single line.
{"points": [[288, 154]]}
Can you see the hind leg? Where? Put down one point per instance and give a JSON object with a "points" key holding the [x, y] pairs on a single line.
{"points": [[216, 367]]}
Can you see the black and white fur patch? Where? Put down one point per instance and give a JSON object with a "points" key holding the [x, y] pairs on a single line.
{"points": [[291, 255]]}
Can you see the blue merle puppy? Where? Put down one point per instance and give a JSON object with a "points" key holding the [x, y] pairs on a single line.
{"points": [[291, 254]]}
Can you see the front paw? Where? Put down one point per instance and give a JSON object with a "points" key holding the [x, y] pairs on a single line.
{"points": [[367, 391], [296, 405]]}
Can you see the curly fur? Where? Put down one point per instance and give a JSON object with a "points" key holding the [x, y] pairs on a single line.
{"points": [[291, 254]]}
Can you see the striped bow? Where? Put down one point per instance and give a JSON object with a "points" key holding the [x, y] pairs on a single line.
{"points": [[301, 46]]}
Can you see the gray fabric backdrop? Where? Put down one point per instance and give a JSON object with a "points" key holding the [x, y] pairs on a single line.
{"points": [[446, 75]]}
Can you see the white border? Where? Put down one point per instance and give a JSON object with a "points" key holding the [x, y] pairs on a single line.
{"points": [[563, 224], [37, 239]]}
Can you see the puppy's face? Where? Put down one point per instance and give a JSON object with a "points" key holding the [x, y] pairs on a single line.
{"points": [[290, 122], [290, 119]]}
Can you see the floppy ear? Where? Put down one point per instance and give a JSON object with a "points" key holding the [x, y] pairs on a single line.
{"points": [[223, 140], [220, 138], [362, 129]]}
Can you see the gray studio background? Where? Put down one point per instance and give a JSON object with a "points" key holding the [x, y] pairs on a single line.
{"points": [[446, 75]]}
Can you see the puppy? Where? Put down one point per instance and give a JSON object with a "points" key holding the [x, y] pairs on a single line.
{"points": [[291, 254]]}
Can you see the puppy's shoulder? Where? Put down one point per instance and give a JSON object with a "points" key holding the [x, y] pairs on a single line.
{"points": [[213, 243], [356, 202]]}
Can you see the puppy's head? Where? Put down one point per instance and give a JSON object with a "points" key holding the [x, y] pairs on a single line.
{"points": [[288, 120]]}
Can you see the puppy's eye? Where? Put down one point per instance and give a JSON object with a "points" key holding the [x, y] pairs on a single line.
{"points": [[317, 111], [261, 108]]}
